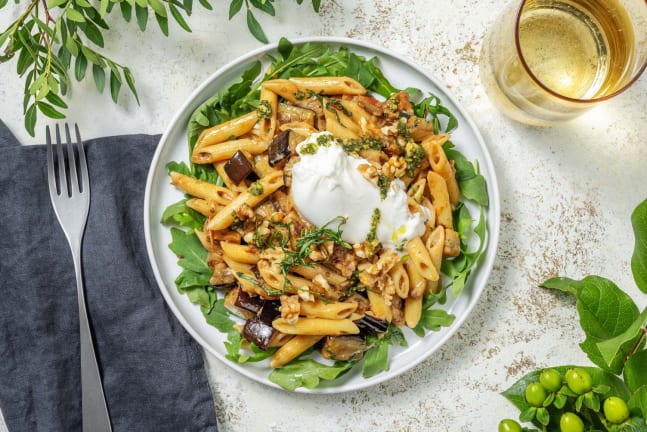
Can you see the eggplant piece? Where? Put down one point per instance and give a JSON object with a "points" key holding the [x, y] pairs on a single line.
{"points": [[279, 148], [248, 303], [258, 329], [238, 167], [258, 333], [348, 347], [370, 325]]}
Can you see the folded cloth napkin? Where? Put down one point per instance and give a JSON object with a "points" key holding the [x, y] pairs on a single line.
{"points": [[153, 372]]}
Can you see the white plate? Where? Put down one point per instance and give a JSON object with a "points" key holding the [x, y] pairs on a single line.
{"points": [[160, 193]]}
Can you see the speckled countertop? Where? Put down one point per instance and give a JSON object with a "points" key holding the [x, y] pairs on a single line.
{"points": [[567, 193]]}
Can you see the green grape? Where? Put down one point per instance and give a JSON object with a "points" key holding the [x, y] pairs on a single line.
{"points": [[579, 380], [571, 422], [551, 380], [615, 409], [509, 425], [535, 394]]}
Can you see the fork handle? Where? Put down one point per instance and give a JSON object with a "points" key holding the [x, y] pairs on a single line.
{"points": [[93, 403]]}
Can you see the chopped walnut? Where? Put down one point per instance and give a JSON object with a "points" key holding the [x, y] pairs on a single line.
{"points": [[364, 250], [370, 274], [395, 167], [244, 212], [290, 308], [344, 260], [321, 283], [274, 254]]}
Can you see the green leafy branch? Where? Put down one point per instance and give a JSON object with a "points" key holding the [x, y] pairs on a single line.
{"points": [[56, 39], [616, 332]]}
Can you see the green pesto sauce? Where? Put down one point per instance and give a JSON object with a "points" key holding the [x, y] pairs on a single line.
{"points": [[383, 183], [358, 144], [414, 154], [264, 110], [371, 237], [256, 188]]}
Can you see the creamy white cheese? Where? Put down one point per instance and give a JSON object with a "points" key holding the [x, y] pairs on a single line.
{"points": [[326, 184]]}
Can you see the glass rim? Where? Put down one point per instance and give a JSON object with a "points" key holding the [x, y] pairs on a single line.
{"points": [[536, 80]]}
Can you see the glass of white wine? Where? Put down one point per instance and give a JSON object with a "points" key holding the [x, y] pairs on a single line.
{"points": [[546, 61]]}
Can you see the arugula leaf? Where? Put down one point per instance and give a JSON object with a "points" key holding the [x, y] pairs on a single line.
{"points": [[182, 215], [307, 373], [434, 320], [219, 316], [605, 312], [639, 257], [234, 346], [471, 183], [376, 358]]}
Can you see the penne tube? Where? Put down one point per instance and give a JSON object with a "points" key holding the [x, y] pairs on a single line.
{"points": [[400, 279], [293, 349], [435, 244], [241, 253], [412, 311], [328, 85], [316, 326], [282, 87], [419, 258], [310, 272], [202, 189], [417, 283], [269, 102], [225, 131], [331, 310], [441, 165], [267, 184], [379, 308], [205, 207], [225, 150], [440, 199]]}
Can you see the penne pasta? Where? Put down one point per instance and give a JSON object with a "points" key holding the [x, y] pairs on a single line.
{"points": [[316, 326], [331, 310], [202, 189], [440, 199], [225, 131], [328, 85], [420, 259], [293, 349], [225, 150]]}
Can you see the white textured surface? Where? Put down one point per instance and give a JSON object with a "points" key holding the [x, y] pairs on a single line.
{"points": [[567, 193]]}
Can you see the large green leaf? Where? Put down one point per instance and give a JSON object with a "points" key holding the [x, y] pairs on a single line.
{"points": [[639, 258]]}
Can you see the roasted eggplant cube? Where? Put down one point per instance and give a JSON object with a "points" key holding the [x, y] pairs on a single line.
{"points": [[279, 148], [369, 325], [345, 348], [258, 329], [238, 167], [248, 303], [258, 332]]}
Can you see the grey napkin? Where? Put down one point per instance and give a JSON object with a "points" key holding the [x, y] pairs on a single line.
{"points": [[153, 372]]}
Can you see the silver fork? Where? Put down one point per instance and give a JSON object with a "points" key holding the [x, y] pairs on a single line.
{"points": [[69, 190]]}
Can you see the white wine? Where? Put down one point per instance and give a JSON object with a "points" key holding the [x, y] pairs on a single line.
{"points": [[581, 49]]}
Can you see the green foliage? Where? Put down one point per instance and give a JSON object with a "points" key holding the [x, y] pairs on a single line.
{"points": [[58, 38], [307, 373], [613, 395]]}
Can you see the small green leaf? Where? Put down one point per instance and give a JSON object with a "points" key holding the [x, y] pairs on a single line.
{"points": [[609, 348], [126, 10], [30, 119], [142, 17], [80, 66], [255, 27], [234, 7], [162, 22], [92, 32], [55, 3], [74, 15], [56, 100], [177, 16], [115, 86], [104, 7], [316, 4], [99, 76], [158, 7], [130, 80], [50, 111]]}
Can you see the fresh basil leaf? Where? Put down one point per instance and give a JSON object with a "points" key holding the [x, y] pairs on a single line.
{"points": [[639, 257], [307, 373]]}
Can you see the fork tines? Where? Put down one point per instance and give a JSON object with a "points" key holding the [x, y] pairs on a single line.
{"points": [[71, 170]]}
